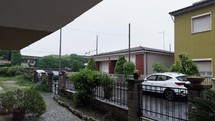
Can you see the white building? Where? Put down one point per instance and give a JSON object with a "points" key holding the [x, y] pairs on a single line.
{"points": [[142, 57]]}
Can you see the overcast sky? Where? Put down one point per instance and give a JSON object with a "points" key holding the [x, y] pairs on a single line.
{"points": [[149, 19]]}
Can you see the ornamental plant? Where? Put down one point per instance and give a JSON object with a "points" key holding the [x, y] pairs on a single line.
{"points": [[91, 64], [204, 108], [107, 84], [25, 100], [186, 66], [128, 68], [85, 82], [119, 65]]}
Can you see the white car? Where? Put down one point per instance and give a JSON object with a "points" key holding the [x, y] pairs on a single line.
{"points": [[168, 83], [41, 72]]}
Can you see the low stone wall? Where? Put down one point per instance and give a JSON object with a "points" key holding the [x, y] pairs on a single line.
{"points": [[119, 112]]}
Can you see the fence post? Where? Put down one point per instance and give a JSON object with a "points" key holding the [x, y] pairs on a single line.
{"points": [[133, 99], [196, 91]]}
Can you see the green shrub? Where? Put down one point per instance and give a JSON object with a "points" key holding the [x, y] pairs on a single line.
{"points": [[11, 71], [188, 66], [85, 82], [185, 65], [26, 100], [128, 68], [159, 68], [176, 67], [205, 108], [41, 86], [107, 84], [7, 101], [91, 64], [119, 65]]}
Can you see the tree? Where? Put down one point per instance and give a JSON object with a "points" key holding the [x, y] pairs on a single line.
{"points": [[119, 65], [75, 65], [16, 57], [128, 68], [77, 61], [91, 64], [48, 62]]}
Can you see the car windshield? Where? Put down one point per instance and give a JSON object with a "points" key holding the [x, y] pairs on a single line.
{"points": [[56, 73], [182, 78]]}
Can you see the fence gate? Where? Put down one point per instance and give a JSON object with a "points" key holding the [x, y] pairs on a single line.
{"points": [[155, 106]]}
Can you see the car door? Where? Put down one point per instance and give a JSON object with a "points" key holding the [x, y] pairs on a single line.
{"points": [[161, 82], [148, 84]]}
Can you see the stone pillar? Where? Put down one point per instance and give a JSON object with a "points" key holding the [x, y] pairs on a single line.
{"points": [[196, 91], [50, 77], [62, 80], [133, 99]]}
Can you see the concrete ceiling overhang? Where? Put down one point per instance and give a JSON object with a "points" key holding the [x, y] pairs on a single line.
{"points": [[22, 22]]}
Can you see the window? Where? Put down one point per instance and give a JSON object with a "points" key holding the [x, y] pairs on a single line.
{"points": [[205, 66], [152, 78], [163, 78], [201, 23], [182, 78]]}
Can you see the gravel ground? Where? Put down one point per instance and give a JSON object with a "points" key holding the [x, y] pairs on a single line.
{"points": [[55, 112]]}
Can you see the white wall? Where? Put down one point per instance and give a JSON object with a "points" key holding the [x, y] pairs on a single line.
{"points": [[151, 58], [104, 66]]}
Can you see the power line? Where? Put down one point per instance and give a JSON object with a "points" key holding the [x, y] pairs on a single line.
{"points": [[95, 32]]}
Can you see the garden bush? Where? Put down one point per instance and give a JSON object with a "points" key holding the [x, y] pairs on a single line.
{"points": [[42, 85], [91, 64], [85, 82], [26, 100], [205, 108], [159, 68], [128, 68], [119, 65], [107, 84], [185, 65], [11, 71]]}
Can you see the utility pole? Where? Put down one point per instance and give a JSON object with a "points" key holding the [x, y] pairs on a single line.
{"points": [[59, 69], [97, 37], [163, 41], [129, 41]]}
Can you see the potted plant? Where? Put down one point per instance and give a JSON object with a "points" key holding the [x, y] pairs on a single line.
{"points": [[22, 101], [136, 74]]}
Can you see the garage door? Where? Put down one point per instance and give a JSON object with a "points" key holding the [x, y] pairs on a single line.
{"points": [[205, 68]]}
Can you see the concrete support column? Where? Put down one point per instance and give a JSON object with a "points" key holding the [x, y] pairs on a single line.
{"points": [[133, 99], [196, 91]]}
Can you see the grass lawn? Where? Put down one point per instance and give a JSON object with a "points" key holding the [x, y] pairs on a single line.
{"points": [[19, 82]]}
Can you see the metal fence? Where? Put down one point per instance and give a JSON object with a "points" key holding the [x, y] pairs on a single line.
{"points": [[116, 94], [154, 105]]}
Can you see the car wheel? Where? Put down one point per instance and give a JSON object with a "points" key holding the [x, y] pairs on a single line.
{"points": [[169, 94]]}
